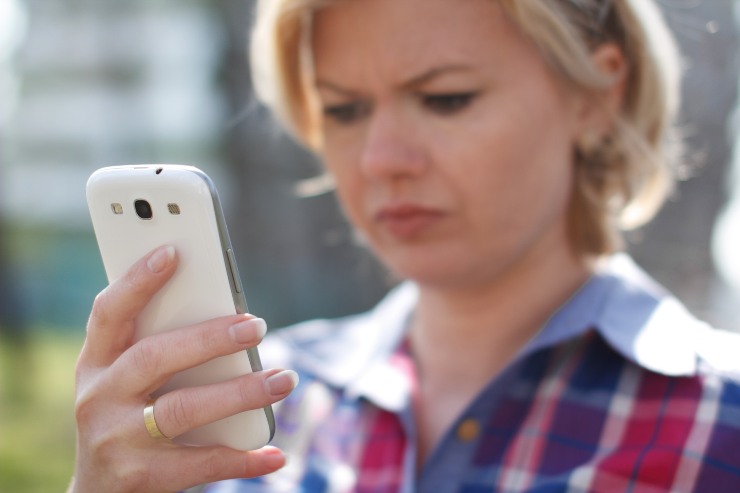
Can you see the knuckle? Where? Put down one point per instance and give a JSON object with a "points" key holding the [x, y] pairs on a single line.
{"points": [[105, 433], [131, 282], [147, 356], [100, 309], [249, 391], [213, 466], [126, 474], [179, 414], [105, 445], [208, 339], [90, 395], [138, 281], [84, 406], [91, 402]]}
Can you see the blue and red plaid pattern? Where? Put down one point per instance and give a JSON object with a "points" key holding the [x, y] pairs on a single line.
{"points": [[580, 418], [576, 417], [573, 414]]}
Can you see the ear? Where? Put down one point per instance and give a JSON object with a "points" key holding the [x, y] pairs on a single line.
{"points": [[599, 109]]}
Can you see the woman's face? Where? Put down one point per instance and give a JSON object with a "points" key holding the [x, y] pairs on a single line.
{"points": [[449, 139]]}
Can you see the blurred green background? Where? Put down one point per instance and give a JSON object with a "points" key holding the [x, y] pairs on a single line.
{"points": [[85, 84]]}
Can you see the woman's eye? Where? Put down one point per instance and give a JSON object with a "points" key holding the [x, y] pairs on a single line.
{"points": [[346, 113], [446, 104]]}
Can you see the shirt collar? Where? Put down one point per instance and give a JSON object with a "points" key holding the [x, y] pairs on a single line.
{"points": [[634, 314], [353, 353], [620, 301]]}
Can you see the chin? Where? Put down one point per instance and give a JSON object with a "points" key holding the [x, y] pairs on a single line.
{"points": [[438, 262], [435, 269]]}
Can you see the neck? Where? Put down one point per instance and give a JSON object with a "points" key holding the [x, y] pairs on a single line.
{"points": [[469, 333]]}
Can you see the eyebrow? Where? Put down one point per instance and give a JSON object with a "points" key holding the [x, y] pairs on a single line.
{"points": [[415, 81], [433, 73], [334, 87]]}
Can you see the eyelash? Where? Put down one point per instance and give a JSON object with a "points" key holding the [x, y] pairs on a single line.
{"points": [[346, 113], [441, 104], [447, 104]]}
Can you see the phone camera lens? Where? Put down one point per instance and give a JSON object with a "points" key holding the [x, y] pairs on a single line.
{"points": [[143, 209]]}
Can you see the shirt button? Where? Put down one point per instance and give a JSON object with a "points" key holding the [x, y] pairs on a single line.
{"points": [[468, 430]]}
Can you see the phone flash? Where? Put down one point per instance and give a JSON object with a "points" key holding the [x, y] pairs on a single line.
{"points": [[117, 208], [173, 208]]}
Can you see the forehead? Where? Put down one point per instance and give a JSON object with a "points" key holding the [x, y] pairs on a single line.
{"points": [[406, 36]]}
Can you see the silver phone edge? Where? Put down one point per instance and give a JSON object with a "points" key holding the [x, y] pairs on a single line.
{"points": [[240, 301]]}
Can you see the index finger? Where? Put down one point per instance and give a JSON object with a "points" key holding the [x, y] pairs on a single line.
{"points": [[110, 329]]}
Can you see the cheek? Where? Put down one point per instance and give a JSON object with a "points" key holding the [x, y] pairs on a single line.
{"points": [[515, 163]]}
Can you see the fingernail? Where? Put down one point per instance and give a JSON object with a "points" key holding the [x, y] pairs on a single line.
{"points": [[161, 259], [281, 383], [248, 331]]}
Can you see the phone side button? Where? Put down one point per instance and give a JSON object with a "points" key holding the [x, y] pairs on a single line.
{"points": [[234, 272]]}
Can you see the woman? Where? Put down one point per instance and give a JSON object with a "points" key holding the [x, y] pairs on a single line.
{"points": [[488, 151]]}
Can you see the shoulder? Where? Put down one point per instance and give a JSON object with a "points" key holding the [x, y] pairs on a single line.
{"points": [[649, 326]]}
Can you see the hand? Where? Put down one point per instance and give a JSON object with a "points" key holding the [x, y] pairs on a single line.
{"points": [[115, 378]]}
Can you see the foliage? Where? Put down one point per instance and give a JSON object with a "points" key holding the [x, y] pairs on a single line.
{"points": [[36, 412]]}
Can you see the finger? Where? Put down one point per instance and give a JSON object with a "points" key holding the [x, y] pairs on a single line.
{"points": [[110, 329], [149, 363], [179, 468], [182, 410], [193, 466]]}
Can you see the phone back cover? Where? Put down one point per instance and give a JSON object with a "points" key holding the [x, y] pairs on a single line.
{"points": [[183, 203]]}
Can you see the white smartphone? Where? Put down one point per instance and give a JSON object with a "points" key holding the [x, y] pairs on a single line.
{"points": [[137, 208]]}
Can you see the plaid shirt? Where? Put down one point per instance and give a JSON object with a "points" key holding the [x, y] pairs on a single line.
{"points": [[622, 391]]}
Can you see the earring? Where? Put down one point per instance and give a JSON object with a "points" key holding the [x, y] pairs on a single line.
{"points": [[593, 149], [589, 142]]}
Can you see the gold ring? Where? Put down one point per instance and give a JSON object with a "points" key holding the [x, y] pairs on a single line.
{"points": [[150, 423]]}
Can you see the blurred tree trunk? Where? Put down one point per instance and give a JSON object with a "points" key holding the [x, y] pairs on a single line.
{"points": [[296, 255]]}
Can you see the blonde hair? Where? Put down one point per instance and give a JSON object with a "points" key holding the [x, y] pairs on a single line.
{"points": [[620, 183]]}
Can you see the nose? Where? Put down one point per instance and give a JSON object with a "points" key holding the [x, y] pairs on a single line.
{"points": [[390, 149]]}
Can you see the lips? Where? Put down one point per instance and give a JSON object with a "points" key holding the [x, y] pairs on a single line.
{"points": [[406, 221]]}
